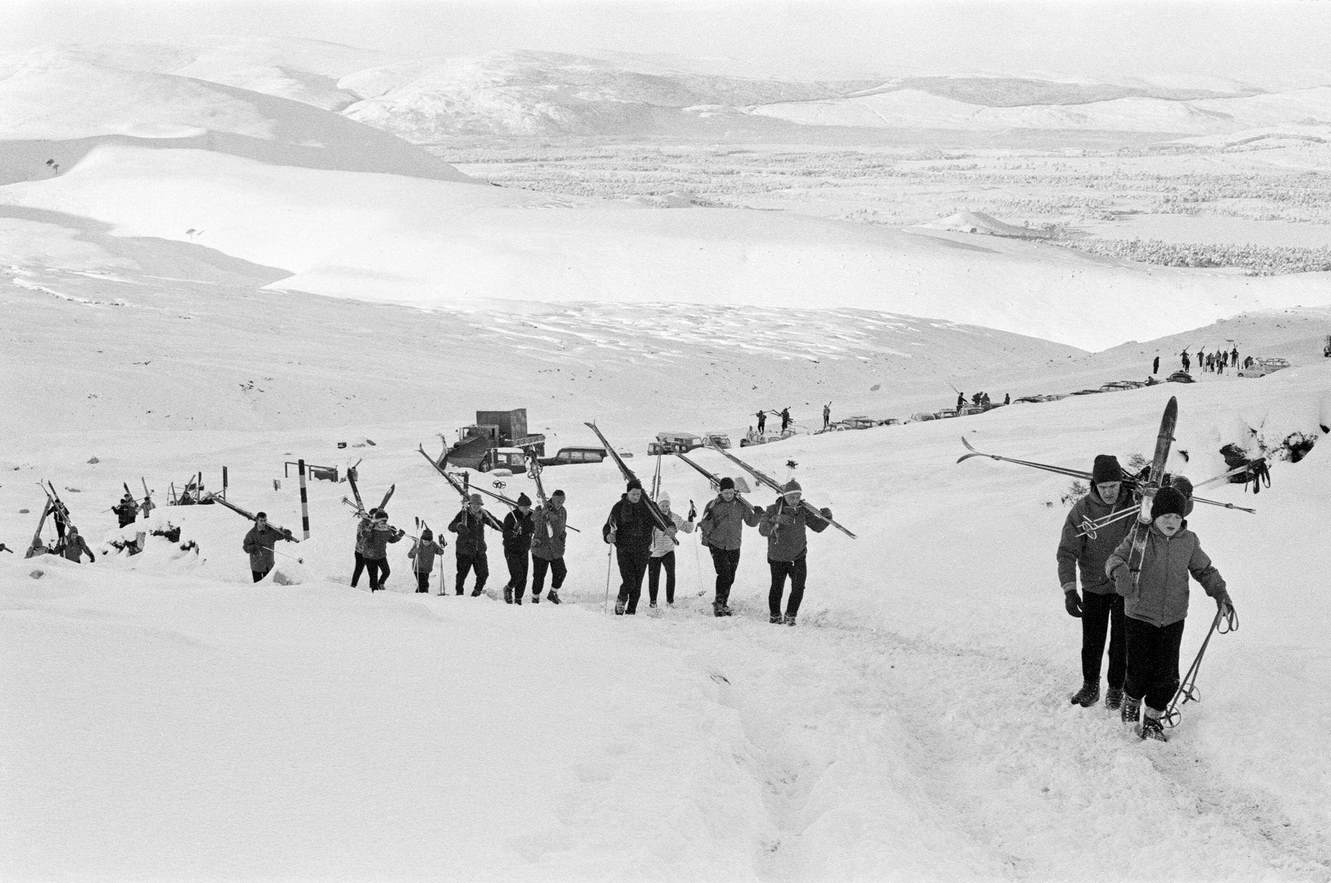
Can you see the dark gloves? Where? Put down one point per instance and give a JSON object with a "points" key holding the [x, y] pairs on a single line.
{"points": [[1072, 601], [826, 513]]}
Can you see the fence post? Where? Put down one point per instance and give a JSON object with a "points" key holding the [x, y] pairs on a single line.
{"points": [[304, 501]]}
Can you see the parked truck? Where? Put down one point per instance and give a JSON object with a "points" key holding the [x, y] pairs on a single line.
{"points": [[497, 440]]}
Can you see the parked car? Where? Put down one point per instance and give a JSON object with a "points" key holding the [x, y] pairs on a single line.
{"points": [[921, 416], [1180, 377], [674, 443], [859, 422], [1263, 367], [568, 456], [717, 439]]}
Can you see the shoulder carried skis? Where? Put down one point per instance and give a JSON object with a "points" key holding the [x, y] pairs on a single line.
{"points": [[767, 481]]}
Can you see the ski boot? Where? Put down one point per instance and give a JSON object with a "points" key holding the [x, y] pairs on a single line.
{"points": [[535, 598], [1114, 698], [508, 594], [1151, 728], [1131, 709], [1087, 696], [776, 619], [790, 620], [476, 592], [619, 608], [553, 596]]}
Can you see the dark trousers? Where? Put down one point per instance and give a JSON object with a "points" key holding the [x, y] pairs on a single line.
{"points": [[1101, 615], [517, 572], [360, 568], [259, 574], [538, 568], [481, 565], [632, 568], [378, 570], [797, 570], [423, 581], [1152, 661], [654, 568], [726, 562]]}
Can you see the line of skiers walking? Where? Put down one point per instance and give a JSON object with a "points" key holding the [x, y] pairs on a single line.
{"points": [[1215, 362], [1142, 613]]}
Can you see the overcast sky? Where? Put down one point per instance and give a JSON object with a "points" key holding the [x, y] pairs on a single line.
{"points": [[1268, 42]]}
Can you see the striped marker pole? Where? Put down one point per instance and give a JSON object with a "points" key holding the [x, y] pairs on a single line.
{"points": [[304, 501]]}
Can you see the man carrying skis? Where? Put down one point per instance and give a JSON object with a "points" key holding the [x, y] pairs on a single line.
{"points": [[762, 422], [381, 533], [629, 529], [721, 528], [73, 548], [518, 530], [126, 510], [258, 544], [784, 523], [1099, 607], [547, 547], [469, 525]]}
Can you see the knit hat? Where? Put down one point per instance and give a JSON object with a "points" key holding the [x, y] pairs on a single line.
{"points": [[1183, 486], [475, 498], [381, 516], [261, 515], [792, 486], [727, 483], [524, 500], [1106, 468], [1168, 501], [664, 499], [426, 534], [634, 485], [559, 494]]}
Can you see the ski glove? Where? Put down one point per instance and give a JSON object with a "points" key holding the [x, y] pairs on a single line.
{"points": [[1072, 601], [826, 513]]}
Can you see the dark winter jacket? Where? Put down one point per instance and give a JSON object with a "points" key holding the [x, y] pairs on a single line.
{"points": [[1160, 596], [259, 545], [377, 540], [126, 511], [551, 531], [1088, 554], [784, 526], [518, 530], [75, 548], [422, 554], [722, 523], [630, 525], [471, 532]]}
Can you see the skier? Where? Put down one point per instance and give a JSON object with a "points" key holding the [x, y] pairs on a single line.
{"points": [[721, 528], [785, 419], [1007, 398], [547, 547], [518, 530], [762, 422], [258, 543], [363, 528], [469, 525], [126, 510], [1156, 606], [1099, 608], [146, 507], [629, 529], [377, 538], [961, 401], [827, 415], [784, 523], [422, 553], [663, 552], [1155, 365], [74, 548]]}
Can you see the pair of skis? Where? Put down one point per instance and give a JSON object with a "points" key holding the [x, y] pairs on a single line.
{"points": [[464, 492], [769, 482], [658, 517]]}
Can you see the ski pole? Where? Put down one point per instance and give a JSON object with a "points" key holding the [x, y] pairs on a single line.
{"points": [[296, 558], [605, 605], [1187, 691]]}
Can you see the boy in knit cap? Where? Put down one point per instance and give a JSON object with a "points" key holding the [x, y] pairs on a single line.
{"points": [[422, 554], [784, 523], [1099, 608], [1155, 607], [518, 530], [721, 528], [547, 547]]}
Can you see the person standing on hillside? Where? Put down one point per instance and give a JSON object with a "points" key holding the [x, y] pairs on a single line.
{"points": [[547, 547], [126, 510], [1098, 607], [422, 554], [73, 548], [518, 530], [258, 544], [663, 552], [784, 523], [629, 529], [1155, 365], [470, 525], [762, 422], [785, 419], [381, 533], [1155, 607], [827, 415], [721, 528], [363, 528], [1186, 362]]}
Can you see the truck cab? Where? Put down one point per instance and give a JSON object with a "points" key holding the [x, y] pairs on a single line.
{"points": [[674, 443]]}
